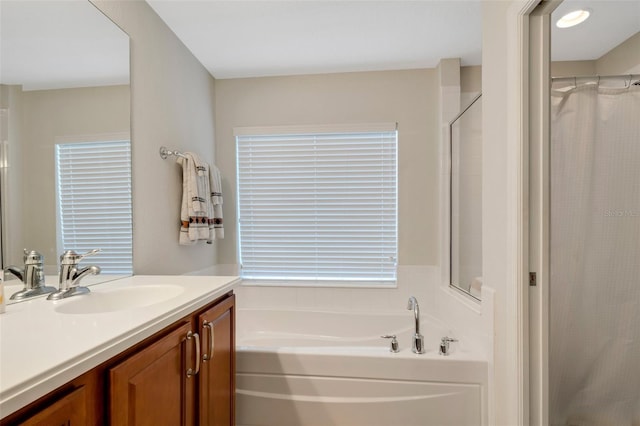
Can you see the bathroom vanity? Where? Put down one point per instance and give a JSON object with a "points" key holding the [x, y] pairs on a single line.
{"points": [[143, 349]]}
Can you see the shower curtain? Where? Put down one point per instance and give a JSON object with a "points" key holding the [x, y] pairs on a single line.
{"points": [[594, 347]]}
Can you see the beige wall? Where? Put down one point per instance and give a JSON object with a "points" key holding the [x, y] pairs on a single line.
{"points": [[470, 83], [50, 117], [623, 59], [573, 68], [172, 105], [406, 97]]}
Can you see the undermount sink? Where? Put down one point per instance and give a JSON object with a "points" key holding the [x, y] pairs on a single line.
{"points": [[112, 300]]}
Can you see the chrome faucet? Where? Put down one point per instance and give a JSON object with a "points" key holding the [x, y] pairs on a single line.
{"points": [[70, 275], [394, 342], [418, 340], [444, 345], [32, 276]]}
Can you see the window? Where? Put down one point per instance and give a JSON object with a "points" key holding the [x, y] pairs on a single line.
{"points": [[93, 182], [318, 206]]}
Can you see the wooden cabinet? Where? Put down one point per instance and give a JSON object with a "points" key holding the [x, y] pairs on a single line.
{"points": [[217, 374], [159, 381], [69, 410], [152, 387], [158, 385]]}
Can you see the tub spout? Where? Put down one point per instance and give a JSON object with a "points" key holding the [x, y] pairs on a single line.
{"points": [[418, 340]]}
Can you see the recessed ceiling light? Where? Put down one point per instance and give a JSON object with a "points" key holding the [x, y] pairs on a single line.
{"points": [[573, 18]]}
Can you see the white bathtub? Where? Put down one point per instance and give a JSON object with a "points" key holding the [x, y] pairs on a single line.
{"points": [[327, 368]]}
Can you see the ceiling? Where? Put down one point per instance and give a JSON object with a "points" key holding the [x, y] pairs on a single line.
{"points": [[60, 44], [263, 38], [69, 43], [611, 22], [259, 38]]}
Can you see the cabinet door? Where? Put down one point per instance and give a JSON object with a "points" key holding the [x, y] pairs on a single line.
{"points": [[217, 377], [69, 410], [152, 387]]}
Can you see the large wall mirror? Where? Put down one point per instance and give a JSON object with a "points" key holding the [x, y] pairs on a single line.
{"points": [[64, 86]]}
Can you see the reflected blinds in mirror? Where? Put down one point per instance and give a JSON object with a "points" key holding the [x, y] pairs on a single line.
{"points": [[93, 183]]}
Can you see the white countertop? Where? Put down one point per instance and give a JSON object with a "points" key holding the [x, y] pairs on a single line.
{"points": [[41, 349]]}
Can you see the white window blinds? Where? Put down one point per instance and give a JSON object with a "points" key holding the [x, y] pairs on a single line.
{"points": [[94, 202], [318, 206]]}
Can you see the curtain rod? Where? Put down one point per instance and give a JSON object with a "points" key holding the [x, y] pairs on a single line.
{"points": [[578, 77]]}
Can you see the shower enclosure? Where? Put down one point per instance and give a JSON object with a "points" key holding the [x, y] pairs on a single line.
{"points": [[594, 341]]}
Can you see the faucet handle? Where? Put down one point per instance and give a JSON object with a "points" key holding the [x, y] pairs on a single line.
{"points": [[394, 342], [444, 345], [32, 257], [70, 257]]}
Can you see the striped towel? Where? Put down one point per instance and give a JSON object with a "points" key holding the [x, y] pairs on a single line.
{"points": [[198, 213]]}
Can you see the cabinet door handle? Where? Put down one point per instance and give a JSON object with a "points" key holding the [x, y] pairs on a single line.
{"points": [[209, 325], [196, 336]]}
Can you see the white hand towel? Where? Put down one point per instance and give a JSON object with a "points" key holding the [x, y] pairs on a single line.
{"points": [[196, 210], [216, 200]]}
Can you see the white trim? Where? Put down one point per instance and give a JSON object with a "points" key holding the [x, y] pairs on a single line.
{"points": [[317, 128], [539, 131], [247, 282], [463, 298], [516, 296], [93, 137]]}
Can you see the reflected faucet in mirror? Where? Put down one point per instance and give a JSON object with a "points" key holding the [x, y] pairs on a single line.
{"points": [[70, 275], [31, 275]]}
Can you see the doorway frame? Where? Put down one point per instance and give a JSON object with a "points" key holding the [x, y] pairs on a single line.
{"points": [[539, 135], [524, 398]]}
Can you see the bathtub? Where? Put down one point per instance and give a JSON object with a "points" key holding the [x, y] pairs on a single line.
{"points": [[312, 368]]}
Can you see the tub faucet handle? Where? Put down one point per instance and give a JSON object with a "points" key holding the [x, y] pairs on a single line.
{"points": [[444, 345], [394, 342]]}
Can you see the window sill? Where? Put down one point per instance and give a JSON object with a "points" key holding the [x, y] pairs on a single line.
{"points": [[320, 284]]}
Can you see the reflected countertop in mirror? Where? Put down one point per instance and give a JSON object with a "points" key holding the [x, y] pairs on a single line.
{"points": [[64, 79]]}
